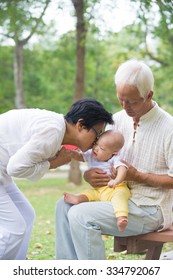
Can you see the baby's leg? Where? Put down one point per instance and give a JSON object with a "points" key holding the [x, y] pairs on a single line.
{"points": [[119, 200], [122, 222], [75, 198]]}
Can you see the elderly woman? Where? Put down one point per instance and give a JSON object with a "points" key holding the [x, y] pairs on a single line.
{"points": [[30, 145]]}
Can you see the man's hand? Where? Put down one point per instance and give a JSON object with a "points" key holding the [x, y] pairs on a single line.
{"points": [[132, 172], [96, 177], [61, 158]]}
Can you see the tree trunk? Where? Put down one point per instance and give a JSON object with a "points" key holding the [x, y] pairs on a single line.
{"points": [[75, 175], [18, 56], [18, 76], [80, 50]]}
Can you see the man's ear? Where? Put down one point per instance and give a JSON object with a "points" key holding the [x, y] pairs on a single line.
{"points": [[150, 95]]}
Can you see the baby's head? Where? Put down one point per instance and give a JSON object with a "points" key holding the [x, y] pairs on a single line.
{"points": [[114, 140], [108, 144]]}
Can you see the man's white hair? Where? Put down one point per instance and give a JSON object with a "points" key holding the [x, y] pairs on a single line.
{"points": [[135, 73]]}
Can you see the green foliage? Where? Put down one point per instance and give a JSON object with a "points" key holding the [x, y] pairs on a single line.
{"points": [[43, 195], [49, 74], [18, 18], [50, 67], [49, 80], [156, 18], [6, 79]]}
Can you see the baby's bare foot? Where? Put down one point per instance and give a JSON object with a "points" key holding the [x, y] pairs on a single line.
{"points": [[122, 223], [71, 198]]}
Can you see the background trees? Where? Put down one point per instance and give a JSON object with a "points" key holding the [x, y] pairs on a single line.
{"points": [[49, 67], [57, 69], [156, 19], [19, 21]]}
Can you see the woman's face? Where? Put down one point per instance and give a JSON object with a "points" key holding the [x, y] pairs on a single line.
{"points": [[87, 137]]}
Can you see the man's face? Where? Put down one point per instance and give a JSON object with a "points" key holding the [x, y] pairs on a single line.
{"points": [[131, 101]]}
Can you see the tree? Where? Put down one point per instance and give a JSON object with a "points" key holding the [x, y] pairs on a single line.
{"points": [[80, 48], [156, 17], [6, 79], [83, 18], [158, 28], [19, 22], [75, 172]]}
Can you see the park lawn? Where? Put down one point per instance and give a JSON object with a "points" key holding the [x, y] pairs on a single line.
{"points": [[43, 196]]}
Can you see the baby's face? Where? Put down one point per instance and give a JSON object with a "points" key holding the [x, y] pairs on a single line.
{"points": [[101, 150]]}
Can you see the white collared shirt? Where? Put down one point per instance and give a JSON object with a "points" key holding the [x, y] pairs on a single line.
{"points": [[28, 138], [150, 152]]}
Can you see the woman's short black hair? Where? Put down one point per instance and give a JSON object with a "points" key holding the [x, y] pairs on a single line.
{"points": [[90, 111]]}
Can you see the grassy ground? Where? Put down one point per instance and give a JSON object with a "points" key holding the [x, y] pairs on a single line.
{"points": [[43, 196]]}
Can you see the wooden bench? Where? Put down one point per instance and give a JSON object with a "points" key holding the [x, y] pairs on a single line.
{"points": [[152, 243]]}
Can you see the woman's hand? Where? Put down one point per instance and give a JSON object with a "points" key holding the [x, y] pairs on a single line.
{"points": [[96, 177], [61, 158]]}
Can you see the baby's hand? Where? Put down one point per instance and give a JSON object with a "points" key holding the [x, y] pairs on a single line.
{"points": [[111, 183]]}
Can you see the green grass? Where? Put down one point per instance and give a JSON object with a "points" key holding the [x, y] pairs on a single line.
{"points": [[43, 196]]}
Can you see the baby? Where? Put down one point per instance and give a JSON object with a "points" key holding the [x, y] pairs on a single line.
{"points": [[104, 155]]}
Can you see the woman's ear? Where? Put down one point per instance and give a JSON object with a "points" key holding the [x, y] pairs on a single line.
{"points": [[80, 124]]}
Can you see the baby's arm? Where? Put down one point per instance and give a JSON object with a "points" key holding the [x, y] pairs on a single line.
{"points": [[121, 175], [76, 155]]}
